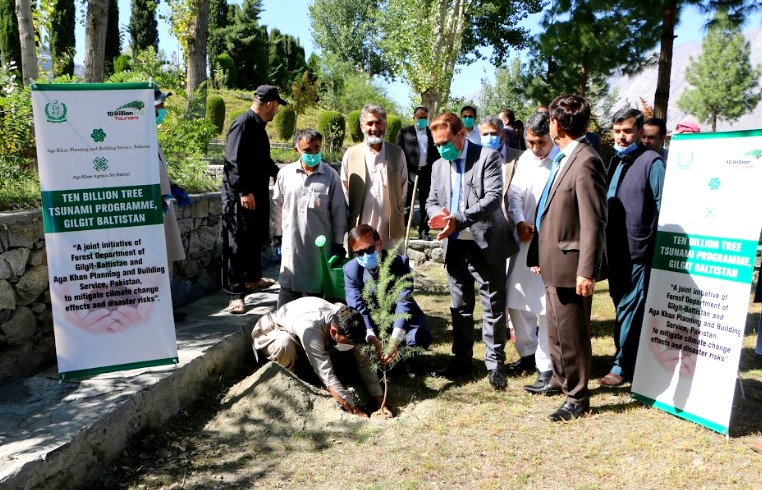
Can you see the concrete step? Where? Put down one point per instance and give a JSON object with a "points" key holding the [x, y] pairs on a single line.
{"points": [[59, 435]]}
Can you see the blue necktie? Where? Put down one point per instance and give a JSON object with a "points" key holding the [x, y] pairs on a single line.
{"points": [[541, 207], [456, 191]]}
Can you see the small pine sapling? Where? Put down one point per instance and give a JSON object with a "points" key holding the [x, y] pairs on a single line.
{"points": [[381, 296]]}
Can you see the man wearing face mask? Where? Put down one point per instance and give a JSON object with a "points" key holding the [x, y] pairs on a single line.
{"points": [[246, 198], [365, 244], [374, 179], [324, 333], [468, 116], [420, 154], [465, 203], [307, 202], [636, 180], [493, 137]]}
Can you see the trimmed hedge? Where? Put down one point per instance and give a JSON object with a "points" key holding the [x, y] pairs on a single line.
{"points": [[284, 123], [333, 127], [215, 111], [227, 64], [353, 124], [393, 126]]}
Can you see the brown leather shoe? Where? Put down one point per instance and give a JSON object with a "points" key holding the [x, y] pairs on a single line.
{"points": [[612, 380], [756, 446]]}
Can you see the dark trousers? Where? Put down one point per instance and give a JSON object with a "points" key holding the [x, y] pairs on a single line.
{"points": [[465, 265], [424, 185], [241, 249], [568, 317]]}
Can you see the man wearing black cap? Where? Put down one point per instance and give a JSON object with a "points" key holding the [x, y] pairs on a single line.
{"points": [[245, 198]]}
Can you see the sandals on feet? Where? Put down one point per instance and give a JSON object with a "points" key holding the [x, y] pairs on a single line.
{"points": [[237, 307], [253, 287]]}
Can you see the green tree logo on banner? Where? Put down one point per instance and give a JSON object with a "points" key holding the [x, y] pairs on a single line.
{"points": [[55, 112], [98, 135]]}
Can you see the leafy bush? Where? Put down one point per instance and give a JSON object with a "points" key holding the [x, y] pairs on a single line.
{"points": [[229, 70], [285, 123], [215, 112], [353, 123], [393, 126], [332, 125], [121, 63], [234, 115], [185, 142]]}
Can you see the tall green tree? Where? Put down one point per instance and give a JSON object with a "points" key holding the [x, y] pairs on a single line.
{"points": [[348, 29], [219, 19], [62, 41], [585, 41], [724, 83], [671, 11], [424, 40], [29, 68], [247, 43], [143, 27], [506, 92], [113, 38], [285, 59], [189, 22], [10, 45]]}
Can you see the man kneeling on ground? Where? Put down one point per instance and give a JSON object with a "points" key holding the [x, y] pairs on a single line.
{"points": [[326, 334]]}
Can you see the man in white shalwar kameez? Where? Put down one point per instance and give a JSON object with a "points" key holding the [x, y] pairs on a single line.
{"points": [[525, 291]]}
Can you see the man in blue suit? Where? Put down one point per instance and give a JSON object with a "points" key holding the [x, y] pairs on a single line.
{"points": [[365, 243]]}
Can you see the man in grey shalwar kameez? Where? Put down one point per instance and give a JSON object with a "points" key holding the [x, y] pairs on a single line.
{"points": [[308, 201]]}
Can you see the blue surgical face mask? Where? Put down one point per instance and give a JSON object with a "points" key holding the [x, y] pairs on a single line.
{"points": [[160, 115], [624, 151], [448, 151], [368, 261], [491, 141], [311, 160], [421, 123], [468, 121]]}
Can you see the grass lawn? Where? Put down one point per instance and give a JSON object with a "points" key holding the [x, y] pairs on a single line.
{"points": [[466, 435]]}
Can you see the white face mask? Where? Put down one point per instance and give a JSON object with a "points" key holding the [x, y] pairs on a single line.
{"points": [[344, 347]]}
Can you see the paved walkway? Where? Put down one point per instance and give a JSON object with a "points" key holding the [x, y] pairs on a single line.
{"points": [[57, 434]]}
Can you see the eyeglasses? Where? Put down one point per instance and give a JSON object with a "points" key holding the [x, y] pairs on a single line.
{"points": [[366, 251]]}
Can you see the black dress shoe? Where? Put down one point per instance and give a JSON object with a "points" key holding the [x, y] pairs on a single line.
{"points": [[496, 379], [569, 411], [453, 370], [524, 365], [543, 386]]}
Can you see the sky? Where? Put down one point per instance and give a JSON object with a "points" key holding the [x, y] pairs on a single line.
{"points": [[292, 17]]}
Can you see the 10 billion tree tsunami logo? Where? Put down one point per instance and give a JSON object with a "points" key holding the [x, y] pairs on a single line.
{"points": [[130, 110], [55, 112]]}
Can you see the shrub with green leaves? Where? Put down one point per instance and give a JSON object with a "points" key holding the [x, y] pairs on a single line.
{"points": [[353, 123], [284, 123], [332, 125], [234, 115], [393, 126], [227, 65], [215, 112], [122, 63], [185, 142]]}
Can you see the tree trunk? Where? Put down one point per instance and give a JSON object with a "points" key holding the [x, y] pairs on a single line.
{"points": [[26, 36], [714, 123], [196, 58], [96, 24], [661, 97]]}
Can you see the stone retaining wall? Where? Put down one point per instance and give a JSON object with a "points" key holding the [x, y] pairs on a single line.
{"points": [[26, 323]]}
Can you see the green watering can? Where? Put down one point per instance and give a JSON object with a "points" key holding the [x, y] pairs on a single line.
{"points": [[333, 272]]}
